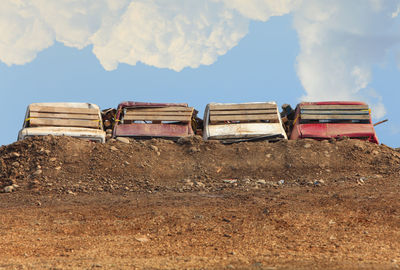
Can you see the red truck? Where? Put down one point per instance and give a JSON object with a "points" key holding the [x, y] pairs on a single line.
{"points": [[153, 120], [325, 120]]}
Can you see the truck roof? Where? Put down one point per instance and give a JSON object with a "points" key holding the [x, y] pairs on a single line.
{"points": [[65, 104], [333, 103], [136, 104]]}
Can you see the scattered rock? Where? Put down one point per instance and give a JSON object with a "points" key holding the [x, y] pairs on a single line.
{"points": [[361, 181], [200, 184], [184, 140], [113, 148], [188, 182], [317, 183], [8, 189], [123, 140], [142, 238], [37, 172], [281, 182], [230, 181], [15, 154], [359, 145], [375, 152], [155, 148], [194, 149], [15, 164], [261, 182], [307, 145]]}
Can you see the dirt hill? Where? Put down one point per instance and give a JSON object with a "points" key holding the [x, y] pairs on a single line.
{"points": [[63, 165], [153, 204]]}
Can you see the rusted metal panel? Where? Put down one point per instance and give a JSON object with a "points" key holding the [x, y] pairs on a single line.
{"points": [[152, 130]]}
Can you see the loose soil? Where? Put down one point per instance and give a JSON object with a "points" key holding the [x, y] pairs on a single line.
{"points": [[157, 204]]}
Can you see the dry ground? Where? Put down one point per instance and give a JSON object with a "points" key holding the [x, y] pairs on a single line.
{"points": [[199, 205]]}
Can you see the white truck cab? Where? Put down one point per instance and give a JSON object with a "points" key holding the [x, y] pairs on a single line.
{"points": [[79, 120], [235, 122]]}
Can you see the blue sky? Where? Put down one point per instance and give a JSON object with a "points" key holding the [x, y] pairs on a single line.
{"points": [[262, 67]]}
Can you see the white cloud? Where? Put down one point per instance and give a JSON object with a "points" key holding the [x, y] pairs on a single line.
{"points": [[22, 32], [169, 34], [261, 10], [340, 43], [340, 40], [174, 35]]}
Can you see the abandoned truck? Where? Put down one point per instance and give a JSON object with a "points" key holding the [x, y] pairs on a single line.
{"points": [[235, 122], [154, 120], [79, 120], [325, 120]]}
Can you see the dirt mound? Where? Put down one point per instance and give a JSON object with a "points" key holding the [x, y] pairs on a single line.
{"points": [[192, 204], [68, 165]]}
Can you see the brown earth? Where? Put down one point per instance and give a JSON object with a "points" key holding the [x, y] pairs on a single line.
{"points": [[68, 204]]}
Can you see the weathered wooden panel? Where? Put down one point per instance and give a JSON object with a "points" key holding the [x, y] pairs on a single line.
{"points": [[235, 112], [63, 123], [250, 106], [46, 109], [64, 115], [161, 109], [157, 118], [221, 118]]}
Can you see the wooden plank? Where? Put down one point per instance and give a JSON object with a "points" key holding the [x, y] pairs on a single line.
{"points": [[132, 113], [161, 109], [343, 112], [221, 118], [64, 115], [46, 109], [251, 106], [334, 117], [266, 111], [63, 123], [157, 118], [335, 107]]}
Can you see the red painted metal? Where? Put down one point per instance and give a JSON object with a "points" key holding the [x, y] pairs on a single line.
{"points": [[152, 130], [321, 131], [143, 130]]}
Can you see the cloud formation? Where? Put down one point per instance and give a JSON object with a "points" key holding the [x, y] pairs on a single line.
{"points": [[340, 43], [163, 33], [340, 40]]}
